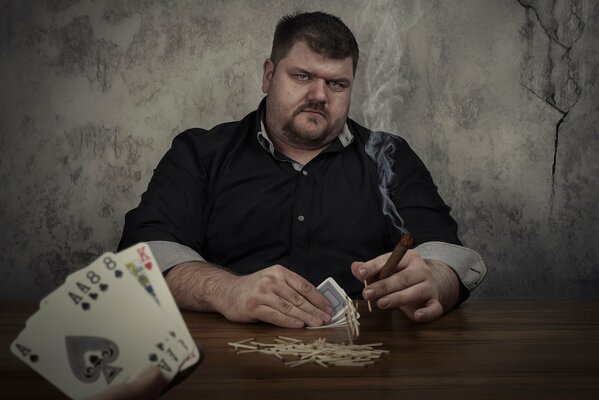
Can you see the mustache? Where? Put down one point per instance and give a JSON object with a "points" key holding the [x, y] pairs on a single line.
{"points": [[313, 106]]}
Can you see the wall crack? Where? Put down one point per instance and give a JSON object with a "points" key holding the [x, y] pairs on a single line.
{"points": [[554, 77]]}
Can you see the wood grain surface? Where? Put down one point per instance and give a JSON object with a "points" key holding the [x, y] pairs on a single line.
{"points": [[525, 349]]}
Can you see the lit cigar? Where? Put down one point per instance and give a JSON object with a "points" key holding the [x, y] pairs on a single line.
{"points": [[396, 255]]}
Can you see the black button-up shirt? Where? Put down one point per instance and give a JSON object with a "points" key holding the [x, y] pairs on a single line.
{"points": [[223, 193]]}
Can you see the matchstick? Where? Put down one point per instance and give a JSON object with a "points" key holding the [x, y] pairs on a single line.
{"points": [[348, 316], [368, 301], [396, 255]]}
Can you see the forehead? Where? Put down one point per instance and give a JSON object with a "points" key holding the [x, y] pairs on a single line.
{"points": [[303, 57]]}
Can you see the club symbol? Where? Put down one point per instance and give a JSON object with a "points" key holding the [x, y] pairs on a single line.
{"points": [[103, 287], [85, 306], [93, 295], [118, 273], [153, 357], [33, 358]]}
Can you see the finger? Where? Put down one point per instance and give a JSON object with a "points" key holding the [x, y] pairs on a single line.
{"points": [[369, 269], [148, 385], [414, 296], [295, 305], [316, 300], [395, 283], [273, 316], [430, 312], [359, 270]]}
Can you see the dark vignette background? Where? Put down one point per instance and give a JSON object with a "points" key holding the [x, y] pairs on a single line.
{"points": [[500, 99]]}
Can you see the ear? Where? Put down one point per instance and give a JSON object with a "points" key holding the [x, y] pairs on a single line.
{"points": [[268, 70]]}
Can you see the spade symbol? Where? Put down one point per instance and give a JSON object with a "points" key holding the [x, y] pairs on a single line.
{"points": [[103, 287], [90, 356], [33, 358], [118, 273], [110, 372], [85, 306], [93, 295], [153, 357]]}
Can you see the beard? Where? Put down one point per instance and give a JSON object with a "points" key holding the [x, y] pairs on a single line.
{"points": [[303, 136]]}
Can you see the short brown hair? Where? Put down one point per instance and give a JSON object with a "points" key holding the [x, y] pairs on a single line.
{"points": [[323, 33]]}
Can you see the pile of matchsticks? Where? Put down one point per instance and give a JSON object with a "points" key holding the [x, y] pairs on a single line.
{"points": [[320, 351]]}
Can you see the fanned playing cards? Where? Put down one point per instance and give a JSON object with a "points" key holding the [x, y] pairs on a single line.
{"points": [[107, 323]]}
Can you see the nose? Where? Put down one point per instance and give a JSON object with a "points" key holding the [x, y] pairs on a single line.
{"points": [[318, 90]]}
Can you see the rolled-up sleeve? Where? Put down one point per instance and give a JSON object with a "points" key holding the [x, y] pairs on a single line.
{"points": [[467, 263], [172, 208], [169, 254]]}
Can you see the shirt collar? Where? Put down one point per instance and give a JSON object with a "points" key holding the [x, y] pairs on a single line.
{"points": [[345, 138]]}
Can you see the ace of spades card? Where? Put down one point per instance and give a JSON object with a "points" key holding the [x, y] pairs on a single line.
{"points": [[104, 326], [83, 358]]}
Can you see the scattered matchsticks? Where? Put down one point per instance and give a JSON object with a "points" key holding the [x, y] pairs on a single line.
{"points": [[318, 352]]}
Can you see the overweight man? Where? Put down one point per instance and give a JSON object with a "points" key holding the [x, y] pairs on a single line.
{"points": [[247, 217]]}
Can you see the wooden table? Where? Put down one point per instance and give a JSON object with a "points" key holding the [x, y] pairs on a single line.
{"points": [[484, 350]]}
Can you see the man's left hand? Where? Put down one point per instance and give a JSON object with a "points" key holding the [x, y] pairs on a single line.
{"points": [[422, 289]]}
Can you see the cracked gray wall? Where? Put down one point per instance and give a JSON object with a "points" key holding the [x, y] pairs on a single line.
{"points": [[499, 98]]}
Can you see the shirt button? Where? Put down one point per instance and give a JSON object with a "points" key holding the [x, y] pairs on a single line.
{"points": [[305, 173], [300, 218]]}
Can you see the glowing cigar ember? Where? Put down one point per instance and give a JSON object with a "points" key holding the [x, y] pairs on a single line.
{"points": [[396, 255]]}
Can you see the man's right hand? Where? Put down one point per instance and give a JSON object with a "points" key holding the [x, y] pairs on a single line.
{"points": [[278, 296], [275, 295]]}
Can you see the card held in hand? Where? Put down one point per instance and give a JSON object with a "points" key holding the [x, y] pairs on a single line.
{"points": [[106, 324], [337, 297], [139, 261]]}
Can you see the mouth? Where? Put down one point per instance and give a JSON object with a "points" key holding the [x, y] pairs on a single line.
{"points": [[314, 112]]}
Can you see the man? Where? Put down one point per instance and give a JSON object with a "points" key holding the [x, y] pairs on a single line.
{"points": [[249, 216]]}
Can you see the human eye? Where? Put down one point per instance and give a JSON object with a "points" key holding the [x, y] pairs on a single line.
{"points": [[302, 77], [337, 86]]}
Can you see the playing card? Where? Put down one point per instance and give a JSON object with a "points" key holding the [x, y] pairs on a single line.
{"points": [[335, 295], [101, 290], [83, 356], [139, 261], [105, 324]]}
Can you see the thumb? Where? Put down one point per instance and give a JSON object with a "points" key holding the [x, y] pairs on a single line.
{"points": [[360, 270]]}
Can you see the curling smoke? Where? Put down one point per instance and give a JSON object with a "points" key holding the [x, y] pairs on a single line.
{"points": [[384, 84], [380, 148]]}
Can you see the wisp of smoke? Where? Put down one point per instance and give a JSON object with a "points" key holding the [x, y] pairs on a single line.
{"points": [[384, 84], [380, 149]]}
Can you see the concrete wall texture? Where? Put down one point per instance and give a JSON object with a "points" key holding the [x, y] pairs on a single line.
{"points": [[499, 98]]}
